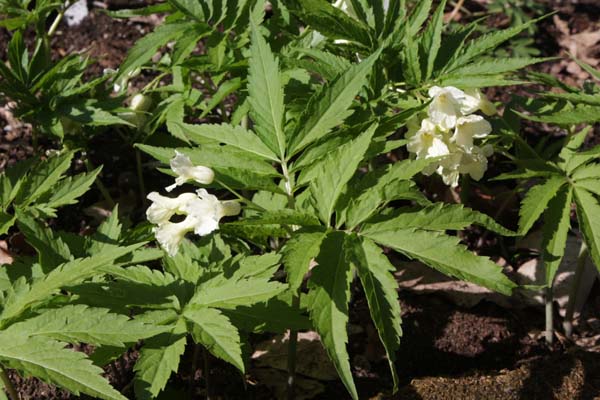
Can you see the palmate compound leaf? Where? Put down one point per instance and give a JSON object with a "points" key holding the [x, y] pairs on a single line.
{"points": [[557, 221], [265, 94], [159, 358], [331, 106], [49, 361], [338, 167], [67, 274], [216, 333], [536, 200], [588, 215], [446, 254], [328, 303], [437, 217], [82, 324], [375, 273]]}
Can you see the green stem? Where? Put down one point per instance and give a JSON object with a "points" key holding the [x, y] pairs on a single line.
{"points": [[191, 380], [206, 373], [293, 341], [241, 198], [58, 18], [581, 258], [291, 359], [10, 389], [548, 297], [138, 162], [105, 193]]}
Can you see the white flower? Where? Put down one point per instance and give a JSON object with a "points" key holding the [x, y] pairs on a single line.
{"points": [[427, 141], [163, 208], [475, 162], [479, 102], [469, 128], [445, 108], [203, 212], [170, 234], [183, 167]]}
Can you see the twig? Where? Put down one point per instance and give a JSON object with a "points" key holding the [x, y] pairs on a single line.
{"points": [[456, 9]]}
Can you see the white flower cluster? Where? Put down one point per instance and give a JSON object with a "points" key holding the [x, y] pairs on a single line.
{"points": [[449, 130], [201, 209]]}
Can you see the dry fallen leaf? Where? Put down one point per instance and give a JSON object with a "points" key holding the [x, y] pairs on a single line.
{"points": [[5, 256]]}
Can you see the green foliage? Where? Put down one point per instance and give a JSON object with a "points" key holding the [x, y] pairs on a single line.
{"points": [[308, 100]]}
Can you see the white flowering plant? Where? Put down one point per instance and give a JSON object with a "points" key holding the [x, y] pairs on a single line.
{"points": [[294, 143]]}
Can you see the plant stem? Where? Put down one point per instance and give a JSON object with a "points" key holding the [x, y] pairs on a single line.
{"points": [[193, 371], [138, 162], [206, 373], [581, 258], [105, 193], [58, 18], [549, 316], [10, 389], [291, 360]]}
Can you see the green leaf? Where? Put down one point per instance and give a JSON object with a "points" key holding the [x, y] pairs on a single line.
{"points": [[588, 172], [274, 316], [328, 303], [555, 230], [333, 22], [438, 217], [446, 254], [591, 185], [43, 177], [146, 47], [331, 106], [49, 361], [579, 114], [221, 292], [71, 188], [265, 94], [280, 217], [297, 255], [496, 66], [64, 275], [216, 333], [235, 136], [536, 200], [375, 272], [82, 324], [418, 16], [489, 42], [569, 151], [337, 169], [159, 357], [431, 40], [6, 222], [52, 250], [588, 215]]}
